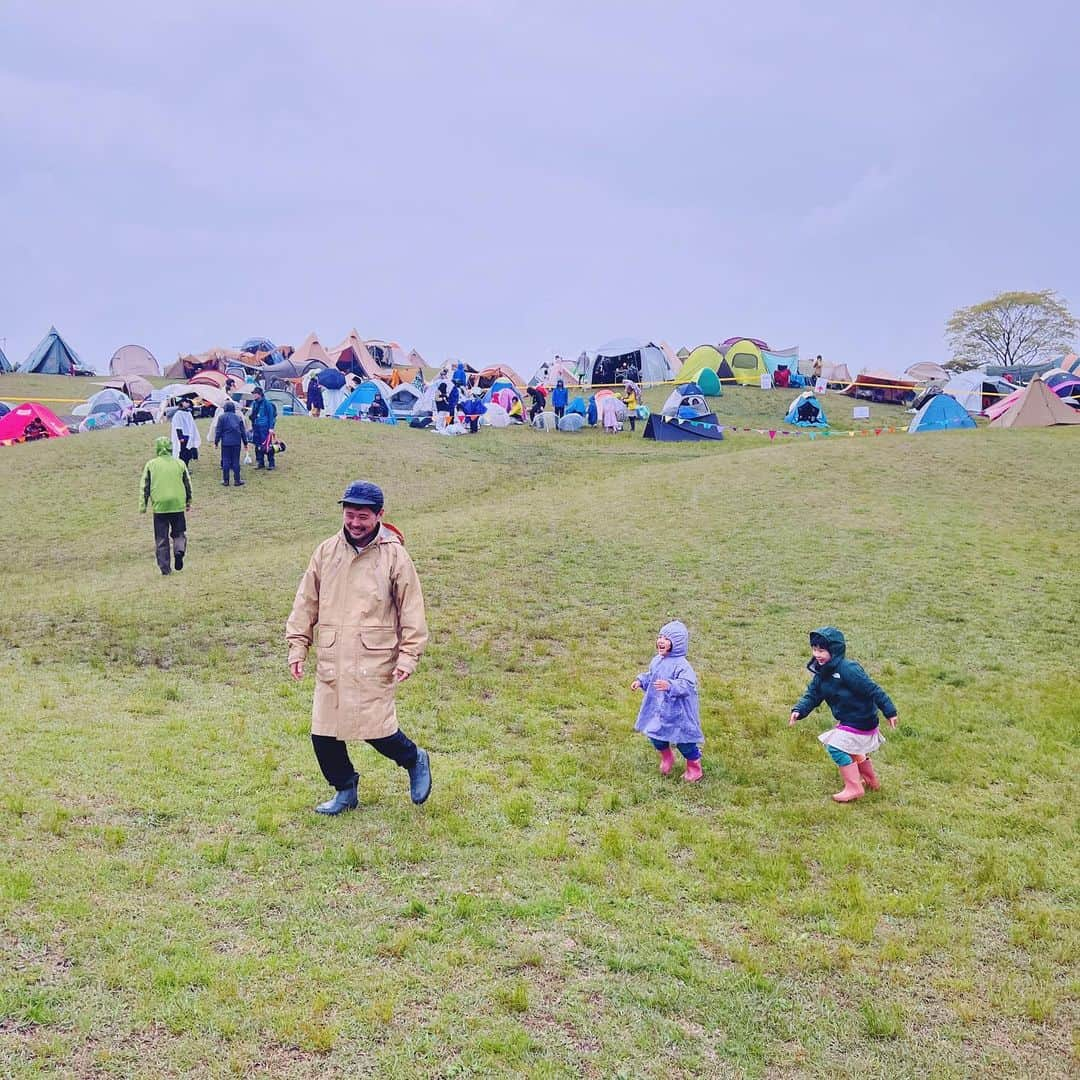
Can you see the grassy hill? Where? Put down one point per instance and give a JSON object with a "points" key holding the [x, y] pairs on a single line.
{"points": [[171, 906]]}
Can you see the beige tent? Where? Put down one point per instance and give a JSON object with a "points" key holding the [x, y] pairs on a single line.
{"points": [[1037, 406], [134, 360], [927, 372], [352, 353], [675, 361], [310, 350]]}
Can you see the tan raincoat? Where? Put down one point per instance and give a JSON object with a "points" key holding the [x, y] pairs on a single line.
{"points": [[365, 612]]}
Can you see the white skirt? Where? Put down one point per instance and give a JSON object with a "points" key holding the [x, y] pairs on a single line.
{"points": [[861, 743]]}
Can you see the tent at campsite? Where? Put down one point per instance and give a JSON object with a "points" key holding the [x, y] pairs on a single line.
{"points": [[927, 372], [351, 356], [29, 421], [6, 366], [833, 374], [1063, 383], [107, 400], [882, 387], [280, 374], [311, 354], [287, 403], [685, 417], [975, 391], [551, 371], [685, 400], [1036, 406], [504, 393], [683, 353], [941, 412], [776, 358], [674, 360], [186, 366], [387, 354], [707, 356], [1070, 363], [358, 402], [706, 378], [262, 350], [491, 375], [5, 408], [746, 362], [614, 358], [134, 360], [806, 411], [403, 399], [571, 421], [53, 356]]}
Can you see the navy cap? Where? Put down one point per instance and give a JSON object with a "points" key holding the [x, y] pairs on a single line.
{"points": [[363, 493]]}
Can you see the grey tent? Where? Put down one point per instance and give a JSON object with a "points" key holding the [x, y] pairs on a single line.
{"points": [[5, 364], [53, 356]]}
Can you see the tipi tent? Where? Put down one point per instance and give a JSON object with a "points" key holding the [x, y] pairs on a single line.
{"points": [[53, 356], [311, 350], [976, 391], [351, 356], [134, 360], [624, 353], [1037, 406], [806, 411], [29, 421], [941, 413]]}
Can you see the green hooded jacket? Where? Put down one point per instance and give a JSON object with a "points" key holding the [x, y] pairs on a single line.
{"points": [[166, 484]]}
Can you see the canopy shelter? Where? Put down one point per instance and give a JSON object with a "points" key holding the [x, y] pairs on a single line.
{"points": [[1036, 406], [882, 387], [621, 358], [29, 421], [53, 356], [941, 413], [134, 360], [975, 391]]}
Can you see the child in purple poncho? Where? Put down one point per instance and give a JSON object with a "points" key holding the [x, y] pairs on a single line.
{"points": [[669, 711]]}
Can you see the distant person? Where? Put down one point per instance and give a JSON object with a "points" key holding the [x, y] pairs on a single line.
{"points": [[669, 713], [315, 401], [166, 487], [537, 401], [443, 408], [378, 409], [473, 408], [230, 434], [263, 416], [516, 412], [592, 414], [360, 602], [560, 398], [816, 368], [185, 433], [854, 700], [632, 400], [459, 378]]}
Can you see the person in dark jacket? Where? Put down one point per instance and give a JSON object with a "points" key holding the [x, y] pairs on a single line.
{"points": [[315, 402], [473, 408], [854, 699], [377, 410], [263, 417], [230, 434], [560, 398], [537, 401]]}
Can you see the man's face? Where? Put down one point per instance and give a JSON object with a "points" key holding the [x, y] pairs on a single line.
{"points": [[360, 521]]}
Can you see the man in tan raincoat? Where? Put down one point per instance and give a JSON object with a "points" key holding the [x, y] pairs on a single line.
{"points": [[360, 603]]}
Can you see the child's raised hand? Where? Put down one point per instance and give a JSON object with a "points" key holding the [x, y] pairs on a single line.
{"points": [[661, 684], [793, 718], [636, 684], [893, 721]]}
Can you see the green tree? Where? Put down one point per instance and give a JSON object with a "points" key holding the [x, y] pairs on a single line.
{"points": [[1013, 328]]}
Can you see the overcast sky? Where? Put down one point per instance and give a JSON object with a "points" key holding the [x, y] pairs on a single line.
{"points": [[495, 180]]}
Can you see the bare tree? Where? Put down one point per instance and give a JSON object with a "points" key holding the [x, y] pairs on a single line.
{"points": [[1013, 328]]}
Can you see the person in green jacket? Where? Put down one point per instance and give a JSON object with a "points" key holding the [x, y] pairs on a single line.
{"points": [[166, 486]]}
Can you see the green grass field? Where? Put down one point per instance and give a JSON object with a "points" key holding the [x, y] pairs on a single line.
{"points": [[170, 906]]}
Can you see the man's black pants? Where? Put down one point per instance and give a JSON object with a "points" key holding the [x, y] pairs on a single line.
{"points": [[164, 524], [333, 756], [230, 463]]}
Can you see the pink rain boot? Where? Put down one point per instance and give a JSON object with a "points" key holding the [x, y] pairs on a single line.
{"points": [[667, 760], [693, 771], [869, 777], [853, 785]]}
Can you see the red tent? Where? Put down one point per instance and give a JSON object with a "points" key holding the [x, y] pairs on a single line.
{"points": [[41, 422]]}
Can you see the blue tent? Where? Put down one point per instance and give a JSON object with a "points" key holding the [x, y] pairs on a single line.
{"points": [[5, 364], [941, 413], [577, 406], [806, 411], [356, 404], [53, 356], [259, 344]]}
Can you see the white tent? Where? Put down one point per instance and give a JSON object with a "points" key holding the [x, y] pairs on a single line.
{"points": [[975, 390], [647, 357]]}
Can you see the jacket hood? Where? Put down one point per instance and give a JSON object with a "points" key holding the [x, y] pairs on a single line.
{"points": [[559, 382], [163, 446], [678, 635], [834, 642]]}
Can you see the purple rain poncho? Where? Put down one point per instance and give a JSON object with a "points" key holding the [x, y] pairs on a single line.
{"points": [[671, 715]]}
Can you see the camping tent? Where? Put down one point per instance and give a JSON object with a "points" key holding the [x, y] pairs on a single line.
{"points": [[107, 400], [135, 386], [287, 403], [687, 401], [6, 365], [672, 357], [277, 375], [882, 387], [707, 380], [356, 404], [706, 356], [746, 362], [404, 399], [490, 375], [775, 358], [503, 393], [134, 360], [310, 352], [351, 355], [42, 423], [976, 391], [263, 350], [806, 411], [1070, 363], [941, 413], [186, 366], [387, 354], [550, 371], [53, 356], [927, 372], [1037, 406], [646, 357]]}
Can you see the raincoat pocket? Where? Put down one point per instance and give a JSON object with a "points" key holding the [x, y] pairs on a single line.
{"points": [[326, 667], [378, 651]]}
